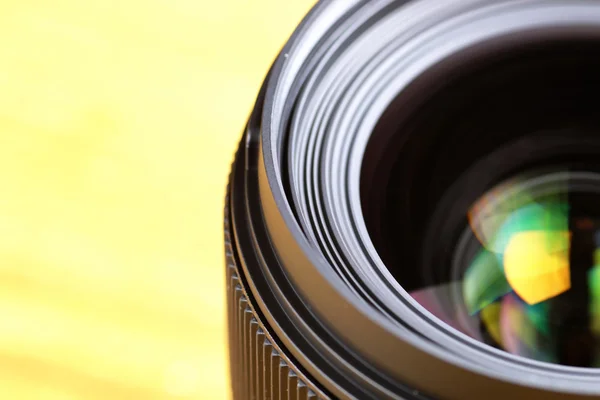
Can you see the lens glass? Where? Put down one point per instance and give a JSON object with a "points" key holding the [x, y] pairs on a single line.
{"points": [[525, 273]]}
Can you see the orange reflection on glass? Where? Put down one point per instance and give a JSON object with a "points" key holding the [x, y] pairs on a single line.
{"points": [[493, 210]]}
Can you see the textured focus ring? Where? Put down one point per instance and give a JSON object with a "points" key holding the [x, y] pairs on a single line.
{"points": [[259, 368]]}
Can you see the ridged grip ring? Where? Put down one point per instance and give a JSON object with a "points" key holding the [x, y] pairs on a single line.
{"points": [[259, 368]]}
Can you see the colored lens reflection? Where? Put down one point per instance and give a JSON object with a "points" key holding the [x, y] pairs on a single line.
{"points": [[532, 285]]}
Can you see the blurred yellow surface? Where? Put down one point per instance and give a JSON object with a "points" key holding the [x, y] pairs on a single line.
{"points": [[118, 122]]}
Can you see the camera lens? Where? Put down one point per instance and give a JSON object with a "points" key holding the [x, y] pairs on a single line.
{"points": [[414, 209]]}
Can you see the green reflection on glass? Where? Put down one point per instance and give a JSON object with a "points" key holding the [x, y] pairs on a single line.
{"points": [[484, 282]]}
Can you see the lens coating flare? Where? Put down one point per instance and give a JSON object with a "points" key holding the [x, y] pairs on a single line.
{"points": [[530, 283], [525, 247]]}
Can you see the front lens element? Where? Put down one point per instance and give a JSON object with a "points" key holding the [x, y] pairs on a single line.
{"points": [[526, 272]]}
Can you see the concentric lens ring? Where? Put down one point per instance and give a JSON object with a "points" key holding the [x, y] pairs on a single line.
{"points": [[372, 65], [345, 96]]}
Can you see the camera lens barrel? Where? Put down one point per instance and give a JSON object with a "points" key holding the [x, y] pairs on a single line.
{"points": [[378, 127]]}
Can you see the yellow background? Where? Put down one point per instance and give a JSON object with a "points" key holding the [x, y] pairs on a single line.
{"points": [[118, 121]]}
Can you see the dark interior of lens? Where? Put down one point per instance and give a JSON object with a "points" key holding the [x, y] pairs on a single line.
{"points": [[434, 131], [463, 128]]}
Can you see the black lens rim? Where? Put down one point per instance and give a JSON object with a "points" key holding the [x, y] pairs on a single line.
{"points": [[366, 330]]}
